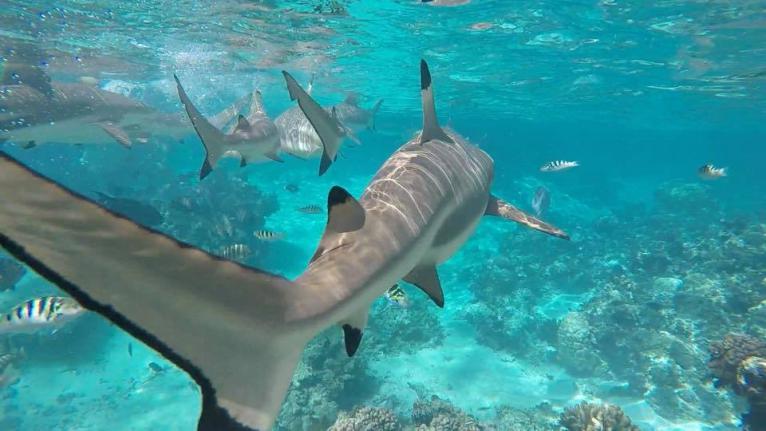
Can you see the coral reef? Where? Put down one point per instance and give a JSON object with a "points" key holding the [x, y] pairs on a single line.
{"points": [[439, 415], [596, 417], [739, 362], [366, 419]]}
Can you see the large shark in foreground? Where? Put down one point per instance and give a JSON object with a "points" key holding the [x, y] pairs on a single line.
{"points": [[254, 138], [237, 331]]}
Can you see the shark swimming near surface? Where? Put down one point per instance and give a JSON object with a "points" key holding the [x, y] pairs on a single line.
{"points": [[354, 116], [255, 137], [238, 331]]}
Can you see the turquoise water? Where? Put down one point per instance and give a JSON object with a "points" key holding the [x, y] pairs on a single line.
{"points": [[661, 263]]}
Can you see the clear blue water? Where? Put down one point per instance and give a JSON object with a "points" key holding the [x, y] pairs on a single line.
{"points": [[641, 95]]}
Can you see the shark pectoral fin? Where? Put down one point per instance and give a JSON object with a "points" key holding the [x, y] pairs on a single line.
{"points": [[344, 214], [212, 139], [225, 117], [237, 331], [353, 329], [431, 128], [116, 132], [427, 279], [274, 155], [353, 138], [500, 208], [325, 126]]}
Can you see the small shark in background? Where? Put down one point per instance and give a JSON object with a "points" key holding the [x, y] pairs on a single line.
{"points": [[238, 331], [254, 138], [35, 110], [355, 117]]}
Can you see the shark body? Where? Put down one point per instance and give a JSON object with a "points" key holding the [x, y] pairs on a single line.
{"points": [[254, 137], [74, 113], [237, 331]]}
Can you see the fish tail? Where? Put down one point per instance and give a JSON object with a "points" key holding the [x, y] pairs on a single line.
{"points": [[373, 113], [212, 139]]}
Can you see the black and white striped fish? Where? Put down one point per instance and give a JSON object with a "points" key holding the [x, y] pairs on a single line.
{"points": [[39, 313], [311, 209], [711, 172], [267, 235], [235, 251], [558, 165]]}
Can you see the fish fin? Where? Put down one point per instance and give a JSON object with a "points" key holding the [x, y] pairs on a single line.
{"points": [[117, 133], [431, 128], [242, 123], [225, 117], [326, 127], [310, 85], [353, 138], [256, 103], [352, 98], [373, 113], [242, 161], [274, 155], [427, 279], [344, 214], [212, 138], [239, 344], [500, 208], [29, 145], [353, 329]]}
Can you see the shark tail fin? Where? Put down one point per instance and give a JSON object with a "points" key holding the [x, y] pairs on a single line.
{"points": [[373, 113], [431, 128], [237, 331], [212, 139], [326, 125]]}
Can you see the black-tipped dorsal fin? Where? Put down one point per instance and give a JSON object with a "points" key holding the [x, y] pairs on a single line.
{"points": [[344, 214], [327, 127], [431, 128], [500, 208], [427, 279]]}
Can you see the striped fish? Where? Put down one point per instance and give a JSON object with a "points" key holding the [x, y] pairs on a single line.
{"points": [[311, 209], [267, 235], [709, 171], [39, 313], [558, 165], [235, 252], [396, 295]]}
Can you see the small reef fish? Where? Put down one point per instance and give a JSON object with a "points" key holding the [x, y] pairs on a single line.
{"points": [[292, 188], [235, 251], [311, 209], [157, 368], [541, 201], [130, 349], [8, 372], [709, 171], [267, 235], [397, 296], [44, 312], [558, 165]]}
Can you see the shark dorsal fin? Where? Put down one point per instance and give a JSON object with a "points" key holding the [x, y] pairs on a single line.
{"points": [[427, 279], [242, 124], [500, 208], [352, 98], [344, 214], [431, 128], [256, 103]]}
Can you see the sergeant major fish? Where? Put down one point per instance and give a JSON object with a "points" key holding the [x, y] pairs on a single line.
{"points": [[558, 165], [40, 313], [311, 209], [235, 251], [710, 172], [267, 235], [396, 295]]}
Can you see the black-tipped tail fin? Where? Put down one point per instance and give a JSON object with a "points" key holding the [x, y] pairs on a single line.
{"points": [[212, 139], [431, 128], [326, 126], [238, 332]]}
